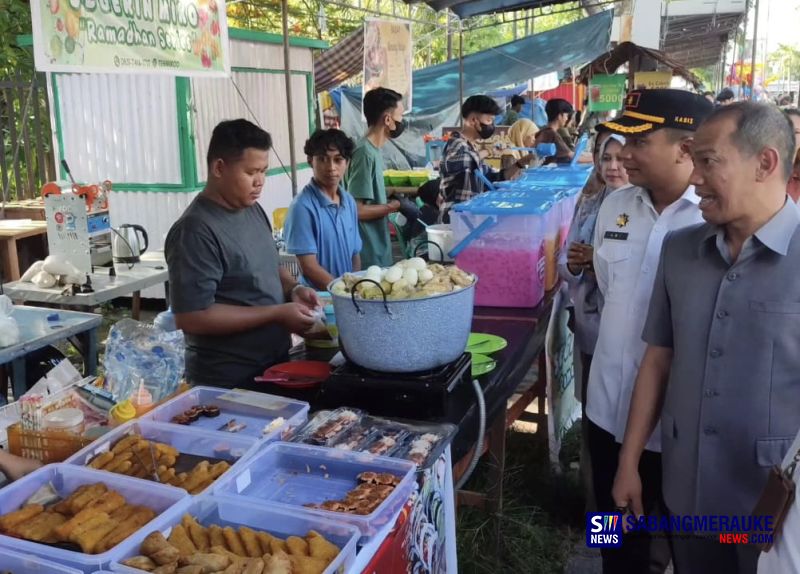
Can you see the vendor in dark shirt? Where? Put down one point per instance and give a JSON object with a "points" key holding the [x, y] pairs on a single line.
{"points": [[235, 304], [559, 113]]}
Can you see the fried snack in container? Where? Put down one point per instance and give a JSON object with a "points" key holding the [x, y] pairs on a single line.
{"points": [[179, 538], [253, 566], [279, 563], [319, 547], [197, 534], [162, 552], [215, 536], [209, 562], [233, 542], [250, 541], [307, 565], [25, 513], [102, 460], [297, 546], [140, 562], [140, 517]]}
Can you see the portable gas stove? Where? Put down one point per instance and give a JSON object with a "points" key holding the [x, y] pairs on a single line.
{"points": [[417, 396]]}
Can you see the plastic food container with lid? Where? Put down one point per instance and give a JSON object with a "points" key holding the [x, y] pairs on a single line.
{"points": [[65, 420]]}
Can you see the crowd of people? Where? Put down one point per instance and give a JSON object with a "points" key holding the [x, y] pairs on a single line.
{"points": [[680, 265]]}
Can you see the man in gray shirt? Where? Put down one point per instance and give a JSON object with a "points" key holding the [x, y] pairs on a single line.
{"points": [[722, 366], [230, 297]]}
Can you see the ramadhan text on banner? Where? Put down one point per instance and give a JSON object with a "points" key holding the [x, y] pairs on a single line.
{"points": [[388, 51], [176, 37]]}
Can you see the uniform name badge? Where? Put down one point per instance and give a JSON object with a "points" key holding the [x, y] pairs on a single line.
{"points": [[618, 235]]}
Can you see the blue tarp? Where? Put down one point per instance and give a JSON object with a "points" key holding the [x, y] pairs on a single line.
{"points": [[436, 89], [571, 45]]}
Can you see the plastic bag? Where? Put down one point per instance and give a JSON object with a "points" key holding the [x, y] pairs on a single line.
{"points": [[140, 354], [9, 330]]}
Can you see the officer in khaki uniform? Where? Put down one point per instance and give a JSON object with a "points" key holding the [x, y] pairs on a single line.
{"points": [[722, 366]]}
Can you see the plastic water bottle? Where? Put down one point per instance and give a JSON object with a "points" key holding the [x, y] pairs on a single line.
{"points": [[165, 321]]}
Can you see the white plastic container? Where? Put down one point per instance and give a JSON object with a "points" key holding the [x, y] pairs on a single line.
{"points": [[441, 235], [65, 420]]}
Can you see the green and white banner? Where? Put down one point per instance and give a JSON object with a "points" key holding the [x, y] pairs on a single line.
{"points": [[176, 37]]}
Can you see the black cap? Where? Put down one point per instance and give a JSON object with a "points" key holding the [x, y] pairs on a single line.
{"points": [[649, 110]]}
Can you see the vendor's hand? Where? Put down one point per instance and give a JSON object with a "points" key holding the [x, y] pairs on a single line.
{"points": [[306, 296], [296, 317], [394, 205], [627, 492]]}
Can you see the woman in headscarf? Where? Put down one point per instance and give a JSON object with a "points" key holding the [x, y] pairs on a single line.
{"points": [[522, 134], [575, 265]]}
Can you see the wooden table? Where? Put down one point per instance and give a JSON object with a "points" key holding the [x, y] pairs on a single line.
{"points": [[25, 209], [151, 271], [11, 231], [79, 328]]}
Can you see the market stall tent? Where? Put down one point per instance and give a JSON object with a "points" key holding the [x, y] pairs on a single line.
{"points": [[149, 134]]}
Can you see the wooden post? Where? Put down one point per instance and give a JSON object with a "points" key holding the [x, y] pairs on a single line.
{"points": [[287, 70]]}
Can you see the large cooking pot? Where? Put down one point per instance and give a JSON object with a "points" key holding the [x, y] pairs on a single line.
{"points": [[404, 336]]}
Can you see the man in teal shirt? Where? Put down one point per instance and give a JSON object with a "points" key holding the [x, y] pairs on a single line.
{"points": [[383, 109]]}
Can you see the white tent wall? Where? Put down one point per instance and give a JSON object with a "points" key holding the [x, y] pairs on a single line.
{"points": [[104, 114], [132, 131]]}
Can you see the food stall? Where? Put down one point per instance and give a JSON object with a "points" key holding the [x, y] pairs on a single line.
{"points": [[349, 456]]}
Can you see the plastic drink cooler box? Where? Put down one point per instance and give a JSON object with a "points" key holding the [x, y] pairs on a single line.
{"points": [[571, 175], [65, 479], [233, 512], [506, 238]]}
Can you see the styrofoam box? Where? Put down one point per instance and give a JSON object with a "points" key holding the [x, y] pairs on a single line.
{"points": [[236, 512], [65, 479], [292, 475], [256, 410], [29, 564], [228, 446]]}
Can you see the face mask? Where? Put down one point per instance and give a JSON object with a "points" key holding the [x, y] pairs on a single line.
{"points": [[485, 131], [399, 128]]}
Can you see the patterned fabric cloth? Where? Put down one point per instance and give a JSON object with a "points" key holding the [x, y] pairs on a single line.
{"points": [[458, 167], [344, 60]]}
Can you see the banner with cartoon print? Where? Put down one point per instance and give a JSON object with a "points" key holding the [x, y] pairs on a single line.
{"points": [[176, 37]]}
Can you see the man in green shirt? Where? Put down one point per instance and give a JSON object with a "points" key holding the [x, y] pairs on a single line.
{"points": [[383, 109]]}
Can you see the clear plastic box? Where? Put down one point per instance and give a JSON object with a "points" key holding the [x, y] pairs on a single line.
{"points": [[256, 410], [66, 478], [234, 512], [30, 564], [510, 257], [292, 475], [231, 447]]}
